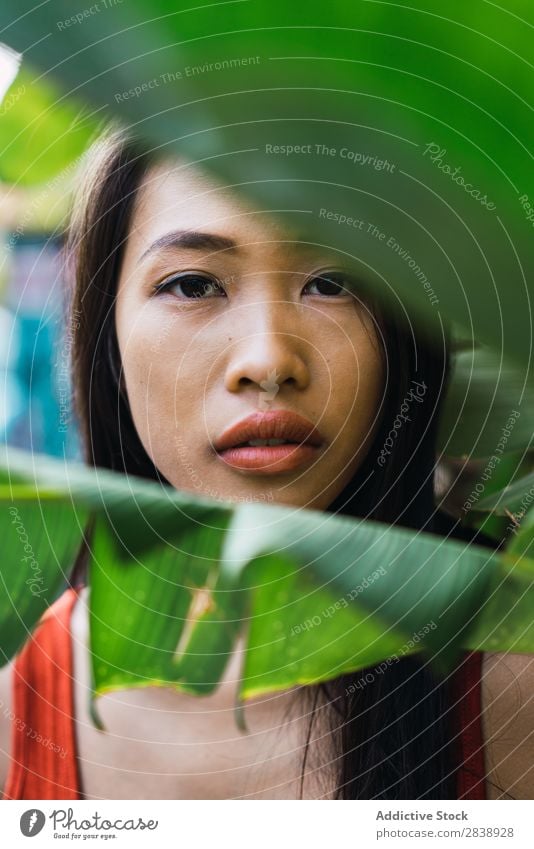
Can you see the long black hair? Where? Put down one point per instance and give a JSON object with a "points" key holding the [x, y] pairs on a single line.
{"points": [[393, 737]]}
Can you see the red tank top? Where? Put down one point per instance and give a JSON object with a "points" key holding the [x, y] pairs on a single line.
{"points": [[43, 743]]}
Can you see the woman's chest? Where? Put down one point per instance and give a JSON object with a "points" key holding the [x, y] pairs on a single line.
{"points": [[162, 744], [508, 725], [151, 750]]}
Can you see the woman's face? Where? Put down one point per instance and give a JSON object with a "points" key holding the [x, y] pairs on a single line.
{"points": [[220, 316]]}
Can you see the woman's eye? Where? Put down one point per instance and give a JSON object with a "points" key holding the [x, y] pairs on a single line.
{"points": [[189, 286], [329, 284]]}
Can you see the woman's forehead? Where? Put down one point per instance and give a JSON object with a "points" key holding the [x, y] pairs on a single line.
{"points": [[180, 195]]}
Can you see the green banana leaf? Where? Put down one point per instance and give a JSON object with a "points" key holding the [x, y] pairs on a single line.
{"points": [[40, 537], [177, 581], [40, 138]]}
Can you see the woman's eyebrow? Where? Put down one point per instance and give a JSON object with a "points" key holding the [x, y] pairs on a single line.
{"points": [[192, 240]]}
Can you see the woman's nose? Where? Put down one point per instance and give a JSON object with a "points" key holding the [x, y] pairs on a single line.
{"points": [[268, 360]]}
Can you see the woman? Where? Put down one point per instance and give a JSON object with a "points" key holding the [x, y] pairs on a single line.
{"points": [[203, 327]]}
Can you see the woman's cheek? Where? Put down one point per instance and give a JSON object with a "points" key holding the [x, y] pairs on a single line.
{"points": [[362, 402], [358, 366]]}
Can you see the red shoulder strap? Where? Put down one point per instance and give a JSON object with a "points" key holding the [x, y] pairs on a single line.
{"points": [[43, 748], [467, 698]]}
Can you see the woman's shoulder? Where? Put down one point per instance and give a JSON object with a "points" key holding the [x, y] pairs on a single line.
{"points": [[508, 724]]}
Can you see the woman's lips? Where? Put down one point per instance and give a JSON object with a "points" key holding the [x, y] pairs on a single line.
{"points": [[269, 459], [302, 442]]}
